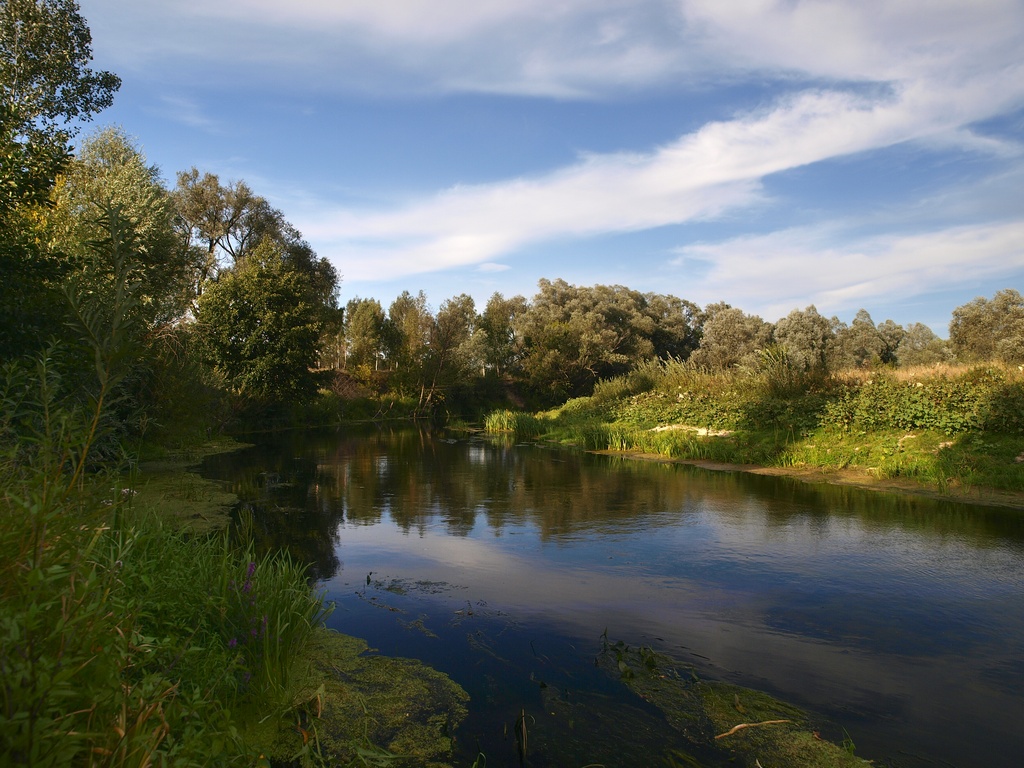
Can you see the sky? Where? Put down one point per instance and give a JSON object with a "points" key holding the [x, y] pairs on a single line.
{"points": [[772, 154]]}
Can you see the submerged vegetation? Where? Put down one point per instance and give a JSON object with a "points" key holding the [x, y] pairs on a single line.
{"points": [[722, 722]]}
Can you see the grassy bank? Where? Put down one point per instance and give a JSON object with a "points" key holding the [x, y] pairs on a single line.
{"points": [[954, 430], [134, 631]]}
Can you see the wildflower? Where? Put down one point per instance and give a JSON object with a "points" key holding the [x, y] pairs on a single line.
{"points": [[232, 642]]}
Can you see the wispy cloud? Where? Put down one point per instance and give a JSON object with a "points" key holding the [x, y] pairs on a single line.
{"points": [[855, 76], [187, 112], [571, 48], [772, 274], [703, 174]]}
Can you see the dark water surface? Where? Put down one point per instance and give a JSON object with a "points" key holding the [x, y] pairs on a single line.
{"points": [[898, 619]]}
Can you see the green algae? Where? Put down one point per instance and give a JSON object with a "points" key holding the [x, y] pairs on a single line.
{"points": [[770, 733], [170, 488], [355, 707]]}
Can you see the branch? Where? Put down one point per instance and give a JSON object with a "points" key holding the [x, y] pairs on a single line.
{"points": [[741, 726]]}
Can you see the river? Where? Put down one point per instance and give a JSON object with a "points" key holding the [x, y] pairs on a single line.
{"points": [[898, 621]]}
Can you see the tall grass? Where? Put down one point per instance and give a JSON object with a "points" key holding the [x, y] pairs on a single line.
{"points": [[123, 643], [523, 425]]}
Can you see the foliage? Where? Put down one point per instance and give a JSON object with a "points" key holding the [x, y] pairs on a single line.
{"points": [[573, 336], [503, 351], [110, 173], [730, 338], [46, 88], [978, 399], [259, 327], [806, 337], [45, 85], [364, 333], [863, 344], [989, 329], [920, 346], [122, 642]]}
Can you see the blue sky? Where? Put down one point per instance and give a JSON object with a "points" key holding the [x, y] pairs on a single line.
{"points": [[768, 153]]}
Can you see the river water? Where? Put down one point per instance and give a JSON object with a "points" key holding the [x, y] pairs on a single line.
{"points": [[898, 621]]}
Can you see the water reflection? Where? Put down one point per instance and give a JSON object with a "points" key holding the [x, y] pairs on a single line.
{"points": [[901, 617]]}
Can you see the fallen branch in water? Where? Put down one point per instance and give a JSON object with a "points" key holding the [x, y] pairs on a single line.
{"points": [[741, 726]]}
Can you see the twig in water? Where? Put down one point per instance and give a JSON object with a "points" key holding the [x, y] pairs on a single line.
{"points": [[741, 726]]}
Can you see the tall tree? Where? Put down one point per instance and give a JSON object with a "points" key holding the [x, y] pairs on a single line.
{"points": [[46, 90], [259, 326], [730, 338], [921, 346], [46, 87], [503, 346], [406, 337], [676, 325], [806, 336], [364, 333], [109, 172], [451, 353], [986, 329], [576, 335]]}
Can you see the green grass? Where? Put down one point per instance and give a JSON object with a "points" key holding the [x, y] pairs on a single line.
{"points": [[947, 428]]}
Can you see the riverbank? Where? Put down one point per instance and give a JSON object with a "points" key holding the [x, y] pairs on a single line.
{"points": [[344, 705], [848, 476], [951, 433]]}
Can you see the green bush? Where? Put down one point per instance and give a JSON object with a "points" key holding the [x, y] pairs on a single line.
{"points": [[980, 399]]}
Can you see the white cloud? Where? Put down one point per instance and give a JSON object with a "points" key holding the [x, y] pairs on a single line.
{"points": [[703, 174], [862, 75], [490, 267], [187, 112], [772, 274], [569, 48]]}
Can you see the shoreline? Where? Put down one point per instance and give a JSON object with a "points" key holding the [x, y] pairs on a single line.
{"points": [[850, 477]]}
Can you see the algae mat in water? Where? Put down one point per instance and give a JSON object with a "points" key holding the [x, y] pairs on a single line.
{"points": [[722, 722], [169, 489], [362, 706]]}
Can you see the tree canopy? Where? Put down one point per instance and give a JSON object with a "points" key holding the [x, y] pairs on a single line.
{"points": [[259, 326]]}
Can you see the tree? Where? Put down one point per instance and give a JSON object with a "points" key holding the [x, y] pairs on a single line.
{"points": [[989, 330], [451, 351], [676, 325], [503, 346], [46, 89], [920, 346], [406, 337], [110, 173], [576, 335], [223, 223], [806, 337], [259, 326], [364, 333], [730, 338]]}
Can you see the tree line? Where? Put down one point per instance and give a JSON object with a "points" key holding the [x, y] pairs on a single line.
{"points": [[213, 288], [567, 338]]}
